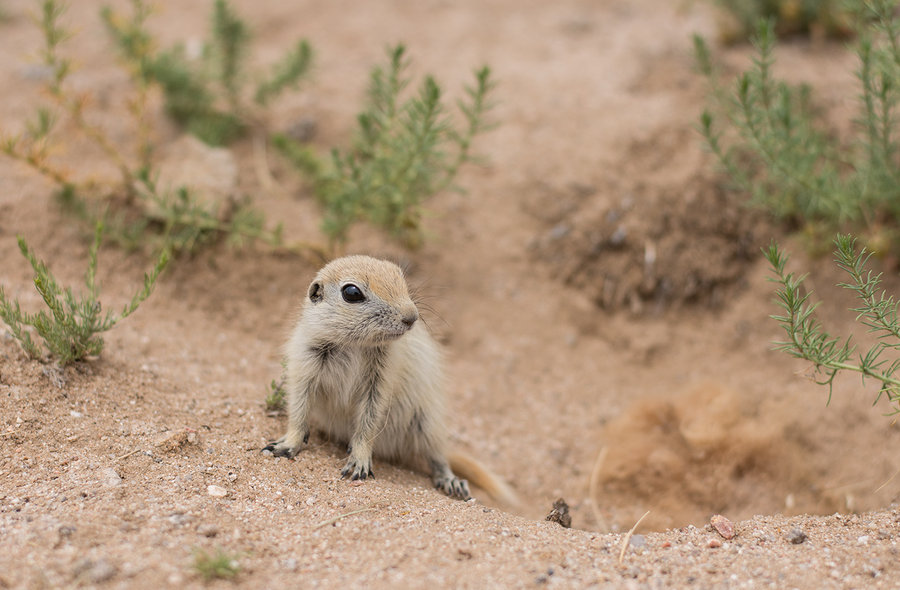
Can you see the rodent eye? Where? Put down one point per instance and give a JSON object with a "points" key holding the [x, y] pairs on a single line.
{"points": [[352, 294]]}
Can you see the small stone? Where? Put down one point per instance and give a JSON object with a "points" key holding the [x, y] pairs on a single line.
{"points": [[303, 130], [637, 541], [208, 530], [109, 477], [619, 236], [714, 543], [862, 540], [722, 525], [560, 231], [179, 518], [216, 491], [560, 514], [290, 564], [95, 572], [796, 536], [101, 571]]}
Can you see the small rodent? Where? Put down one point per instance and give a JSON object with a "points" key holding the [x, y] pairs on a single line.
{"points": [[362, 368]]}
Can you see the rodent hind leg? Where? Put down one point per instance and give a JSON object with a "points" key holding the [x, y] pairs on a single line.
{"points": [[445, 480]]}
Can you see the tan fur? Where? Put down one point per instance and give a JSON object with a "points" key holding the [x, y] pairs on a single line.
{"points": [[368, 373]]}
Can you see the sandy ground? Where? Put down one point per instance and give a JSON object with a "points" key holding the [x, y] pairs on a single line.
{"points": [[577, 369]]}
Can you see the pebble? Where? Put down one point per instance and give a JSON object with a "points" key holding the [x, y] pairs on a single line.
{"points": [[714, 543], [637, 541], [208, 530], [109, 477], [216, 491], [796, 536], [95, 572], [722, 525]]}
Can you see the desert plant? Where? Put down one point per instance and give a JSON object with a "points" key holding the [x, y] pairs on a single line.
{"points": [[206, 94], [776, 148], [219, 565], [406, 149], [275, 399], [808, 339], [71, 329], [136, 210], [820, 17]]}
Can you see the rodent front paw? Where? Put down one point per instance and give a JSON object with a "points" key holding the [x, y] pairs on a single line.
{"points": [[282, 448], [357, 469]]}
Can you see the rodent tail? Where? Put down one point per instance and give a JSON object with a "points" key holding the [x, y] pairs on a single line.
{"points": [[468, 468]]}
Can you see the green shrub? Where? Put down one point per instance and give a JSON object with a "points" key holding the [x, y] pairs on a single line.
{"points": [[821, 17], [135, 209], [71, 328], [777, 149], [808, 339], [206, 95], [219, 565], [406, 149]]}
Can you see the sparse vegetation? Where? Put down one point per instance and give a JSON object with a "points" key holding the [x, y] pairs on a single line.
{"points": [[791, 17], [275, 399], [405, 150], [809, 340], [71, 328], [775, 147], [137, 212], [206, 93], [218, 565]]}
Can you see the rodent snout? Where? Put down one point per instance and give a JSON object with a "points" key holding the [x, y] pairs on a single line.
{"points": [[409, 317]]}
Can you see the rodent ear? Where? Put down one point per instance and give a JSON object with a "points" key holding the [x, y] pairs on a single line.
{"points": [[316, 293]]}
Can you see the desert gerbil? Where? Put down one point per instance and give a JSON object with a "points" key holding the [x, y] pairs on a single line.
{"points": [[362, 368]]}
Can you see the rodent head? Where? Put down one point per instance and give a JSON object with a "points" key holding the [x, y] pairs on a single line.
{"points": [[359, 300]]}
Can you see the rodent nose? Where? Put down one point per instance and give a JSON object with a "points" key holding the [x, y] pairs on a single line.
{"points": [[409, 317]]}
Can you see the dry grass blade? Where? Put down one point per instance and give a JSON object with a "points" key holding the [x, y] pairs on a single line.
{"points": [[593, 482], [628, 537], [341, 516]]}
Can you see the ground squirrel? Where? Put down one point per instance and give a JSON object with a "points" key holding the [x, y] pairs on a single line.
{"points": [[362, 368]]}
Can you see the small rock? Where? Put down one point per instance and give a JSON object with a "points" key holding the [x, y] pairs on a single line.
{"points": [[208, 530], [109, 477], [560, 231], [101, 572], [303, 130], [560, 514], [290, 564], [862, 540], [619, 236], [722, 525], [216, 491], [637, 541], [95, 572], [796, 536], [714, 543], [179, 518]]}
